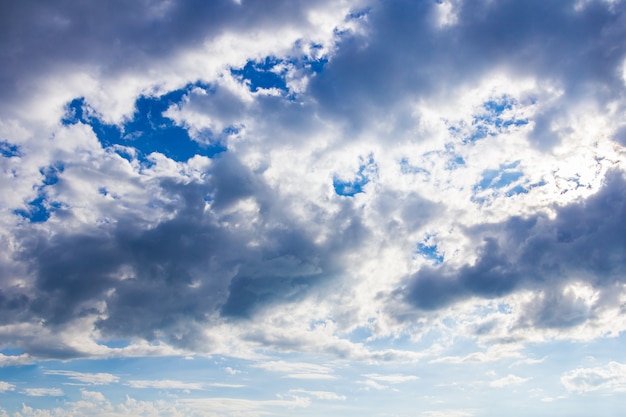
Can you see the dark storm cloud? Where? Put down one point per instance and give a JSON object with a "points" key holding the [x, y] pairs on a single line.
{"points": [[586, 242], [405, 55], [162, 282]]}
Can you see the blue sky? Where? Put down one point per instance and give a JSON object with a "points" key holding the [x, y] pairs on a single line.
{"points": [[340, 208]]}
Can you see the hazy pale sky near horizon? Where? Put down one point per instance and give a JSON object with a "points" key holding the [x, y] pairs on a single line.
{"points": [[313, 207]]}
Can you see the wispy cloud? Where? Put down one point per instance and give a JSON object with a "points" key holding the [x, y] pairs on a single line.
{"points": [[507, 381], [87, 378], [298, 370], [43, 392], [165, 384], [320, 395], [225, 385], [391, 378]]}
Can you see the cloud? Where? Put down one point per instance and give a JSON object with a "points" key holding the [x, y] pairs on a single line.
{"points": [[231, 371], [539, 253], [494, 353], [88, 378], [93, 404], [298, 370], [11, 360], [165, 384], [392, 378], [448, 413], [93, 396], [358, 164], [245, 407], [507, 381], [320, 395], [364, 62], [88, 49], [371, 384], [43, 392], [6, 386], [224, 385], [608, 377]]}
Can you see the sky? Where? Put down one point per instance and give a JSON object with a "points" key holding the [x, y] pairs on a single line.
{"points": [[248, 208]]}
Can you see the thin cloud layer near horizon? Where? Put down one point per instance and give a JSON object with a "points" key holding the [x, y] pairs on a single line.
{"points": [[340, 208]]}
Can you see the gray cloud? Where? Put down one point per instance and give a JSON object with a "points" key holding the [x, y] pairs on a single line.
{"points": [[162, 282], [584, 243], [229, 245], [40, 38], [580, 51]]}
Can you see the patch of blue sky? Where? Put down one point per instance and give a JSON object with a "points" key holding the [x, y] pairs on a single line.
{"points": [[455, 162], [494, 117], [518, 189], [407, 168], [499, 178], [39, 209], [147, 132], [499, 105], [507, 180], [271, 72], [36, 211], [479, 132], [51, 173], [314, 60], [349, 188], [537, 184], [496, 113], [316, 65], [359, 13], [266, 74], [430, 252], [360, 334], [11, 351], [9, 150]]}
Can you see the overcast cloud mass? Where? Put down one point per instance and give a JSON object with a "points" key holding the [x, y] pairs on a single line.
{"points": [[342, 208]]}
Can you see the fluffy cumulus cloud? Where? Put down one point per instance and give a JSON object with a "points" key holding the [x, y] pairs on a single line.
{"points": [[369, 181]]}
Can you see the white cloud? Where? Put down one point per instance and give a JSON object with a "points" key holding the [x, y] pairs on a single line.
{"points": [[507, 381], [88, 378], [320, 395], [93, 396], [225, 385], [371, 384], [448, 413], [165, 384], [43, 392], [232, 371], [245, 407], [392, 378], [610, 377], [9, 360], [493, 354], [6, 386], [298, 370]]}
